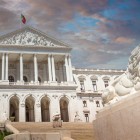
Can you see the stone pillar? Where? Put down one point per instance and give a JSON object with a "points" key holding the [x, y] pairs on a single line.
{"points": [[54, 106], [21, 67], [70, 69], [49, 68], [22, 112], [67, 69], [35, 68], [6, 67], [38, 113], [53, 69], [2, 71]]}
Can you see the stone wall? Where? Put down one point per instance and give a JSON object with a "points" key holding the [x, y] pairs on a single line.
{"points": [[120, 121]]}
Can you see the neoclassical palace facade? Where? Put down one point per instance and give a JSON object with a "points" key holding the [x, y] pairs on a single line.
{"points": [[37, 80]]}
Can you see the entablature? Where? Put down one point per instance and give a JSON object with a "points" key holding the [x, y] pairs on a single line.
{"points": [[34, 49]]}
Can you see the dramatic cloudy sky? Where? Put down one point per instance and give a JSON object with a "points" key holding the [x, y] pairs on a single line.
{"points": [[102, 33]]}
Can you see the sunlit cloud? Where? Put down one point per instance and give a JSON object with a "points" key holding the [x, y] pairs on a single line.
{"points": [[124, 40]]}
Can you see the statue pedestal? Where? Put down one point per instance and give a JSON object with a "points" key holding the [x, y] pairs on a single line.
{"points": [[119, 121], [2, 126]]}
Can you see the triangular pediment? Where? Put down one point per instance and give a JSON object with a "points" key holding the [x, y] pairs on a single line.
{"points": [[30, 36]]}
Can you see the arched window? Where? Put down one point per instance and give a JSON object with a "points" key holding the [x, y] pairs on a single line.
{"points": [[64, 109], [11, 78], [25, 79]]}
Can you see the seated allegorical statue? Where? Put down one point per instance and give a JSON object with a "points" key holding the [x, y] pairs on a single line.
{"points": [[57, 120], [77, 118]]}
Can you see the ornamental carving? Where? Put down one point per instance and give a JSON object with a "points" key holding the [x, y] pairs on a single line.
{"points": [[28, 38]]}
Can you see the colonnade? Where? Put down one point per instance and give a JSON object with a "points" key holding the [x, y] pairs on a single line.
{"points": [[51, 67]]}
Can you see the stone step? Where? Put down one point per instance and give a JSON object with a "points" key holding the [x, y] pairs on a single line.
{"points": [[79, 131]]}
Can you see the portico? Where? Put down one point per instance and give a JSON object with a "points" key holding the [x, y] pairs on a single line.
{"points": [[57, 68]]}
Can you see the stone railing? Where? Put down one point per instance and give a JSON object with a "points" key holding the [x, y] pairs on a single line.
{"points": [[38, 83]]}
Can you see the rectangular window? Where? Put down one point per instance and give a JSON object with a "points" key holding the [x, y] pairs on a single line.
{"points": [[97, 104], [94, 85], [87, 117], [82, 85], [11, 66], [85, 103], [106, 82]]}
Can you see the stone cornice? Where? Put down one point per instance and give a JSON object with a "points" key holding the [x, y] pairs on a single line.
{"points": [[37, 87], [98, 71], [89, 94], [28, 49]]}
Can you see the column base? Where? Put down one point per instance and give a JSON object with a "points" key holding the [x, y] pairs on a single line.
{"points": [[68, 83], [20, 83], [4, 82], [53, 83], [36, 82]]}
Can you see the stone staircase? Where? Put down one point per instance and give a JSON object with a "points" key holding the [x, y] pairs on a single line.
{"points": [[79, 131]]}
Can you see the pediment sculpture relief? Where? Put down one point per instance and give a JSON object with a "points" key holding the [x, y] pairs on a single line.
{"points": [[28, 38]]}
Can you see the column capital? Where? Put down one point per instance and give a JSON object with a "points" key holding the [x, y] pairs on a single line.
{"points": [[49, 55], [35, 54], [53, 55], [66, 55]]}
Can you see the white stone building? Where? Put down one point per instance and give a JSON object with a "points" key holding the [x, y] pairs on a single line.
{"points": [[37, 80]]}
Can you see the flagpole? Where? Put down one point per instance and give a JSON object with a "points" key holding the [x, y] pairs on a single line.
{"points": [[20, 21]]}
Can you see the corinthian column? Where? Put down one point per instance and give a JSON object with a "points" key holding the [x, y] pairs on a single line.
{"points": [[35, 68], [53, 69], [6, 67], [49, 68], [67, 69], [70, 69], [2, 71], [21, 67]]}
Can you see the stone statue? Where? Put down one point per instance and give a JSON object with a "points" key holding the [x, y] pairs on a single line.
{"points": [[77, 118], [126, 84], [4, 116]]}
